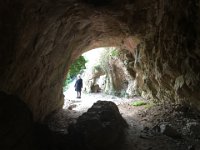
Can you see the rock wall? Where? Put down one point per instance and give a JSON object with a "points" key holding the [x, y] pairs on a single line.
{"points": [[109, 74], [40, 38], [168, 61]]}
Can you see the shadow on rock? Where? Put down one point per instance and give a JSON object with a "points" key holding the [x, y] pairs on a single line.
{"points": [[101, 127], [16, 126]]}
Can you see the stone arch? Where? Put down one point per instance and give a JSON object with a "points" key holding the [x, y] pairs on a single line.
{"points": [[41, 38], [51, 38]]}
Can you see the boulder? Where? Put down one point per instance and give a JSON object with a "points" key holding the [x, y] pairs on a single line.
{"points": [[101, 127], [16, 127]]}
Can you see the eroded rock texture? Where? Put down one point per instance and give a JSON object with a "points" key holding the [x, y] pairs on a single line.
{"points": [[170, 59], [110, 74], [40, 38]]}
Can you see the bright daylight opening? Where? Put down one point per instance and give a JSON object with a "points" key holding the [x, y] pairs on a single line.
{"points": [[105, 76]]}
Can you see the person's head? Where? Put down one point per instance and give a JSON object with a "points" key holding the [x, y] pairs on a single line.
{"points": [[78, 76]]}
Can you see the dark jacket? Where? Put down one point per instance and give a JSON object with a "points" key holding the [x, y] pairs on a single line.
{"points": [[78, 85]]}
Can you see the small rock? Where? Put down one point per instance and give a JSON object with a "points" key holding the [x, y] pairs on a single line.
{"points": [[194, 129], [168, 130], [191, 147]]}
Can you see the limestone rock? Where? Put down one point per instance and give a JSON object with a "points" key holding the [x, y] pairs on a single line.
{"points": [[93, 79], [101, 127]]}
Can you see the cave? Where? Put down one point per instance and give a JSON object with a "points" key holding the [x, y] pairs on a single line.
{"points": [[41, 38]]}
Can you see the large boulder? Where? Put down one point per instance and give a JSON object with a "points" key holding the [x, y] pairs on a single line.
{"points": [[16, 127], [101, 127]]}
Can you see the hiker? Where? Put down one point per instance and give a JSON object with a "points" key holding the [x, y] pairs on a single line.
{"points": [[78, 86]]}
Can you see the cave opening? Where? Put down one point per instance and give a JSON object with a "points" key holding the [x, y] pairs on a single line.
{"points": [[41, 38], [106, 76]]}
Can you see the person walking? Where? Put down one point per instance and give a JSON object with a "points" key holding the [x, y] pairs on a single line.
{"points": [[78, 86]]}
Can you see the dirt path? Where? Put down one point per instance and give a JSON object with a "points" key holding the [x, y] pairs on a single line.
{"points": [[145, 123], [161, 128], [87, 100]]}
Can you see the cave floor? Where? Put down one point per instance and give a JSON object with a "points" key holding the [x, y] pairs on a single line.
{"points": [[145, 128], [151, 126]]}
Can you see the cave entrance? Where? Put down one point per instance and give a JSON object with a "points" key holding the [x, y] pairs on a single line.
{"points": [[106, 76]]}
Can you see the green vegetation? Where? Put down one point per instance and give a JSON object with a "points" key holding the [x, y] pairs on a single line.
{"points": [[114, 53], [75, 69], [138, 103], [67, 81], [141, 103]]}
